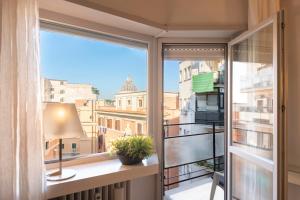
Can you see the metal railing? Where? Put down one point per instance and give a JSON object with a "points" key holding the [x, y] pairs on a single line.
{"points": [[178, 173]]}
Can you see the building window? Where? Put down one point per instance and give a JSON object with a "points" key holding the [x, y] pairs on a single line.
{"points": [[61, 91], [189, 72], [120, 103], [47, 145], [140, 103], [221, 101], [139, 128], [117, 125], [109, 123], [212, 100], [51, 89], [61, 100], [180, 76], [74, 147], [128, 102], [185, 74], [61, 83], [52, 96]]}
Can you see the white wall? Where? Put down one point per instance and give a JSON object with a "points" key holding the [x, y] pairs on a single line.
{"points": [[143, 188]]}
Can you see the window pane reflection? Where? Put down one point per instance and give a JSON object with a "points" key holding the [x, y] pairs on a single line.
{"points": [[250, 181], [252, 93]]}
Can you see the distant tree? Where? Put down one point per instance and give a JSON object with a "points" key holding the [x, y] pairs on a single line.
{"points": [[95, 91]]}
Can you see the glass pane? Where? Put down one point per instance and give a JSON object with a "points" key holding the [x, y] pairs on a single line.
{"points": [[183, 150], [252, 93], [193, 84], [109, 94], [250, 181]]}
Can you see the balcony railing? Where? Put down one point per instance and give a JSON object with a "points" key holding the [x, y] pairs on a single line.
{"points": [[194, 155], [209, 116], [264, 109]]}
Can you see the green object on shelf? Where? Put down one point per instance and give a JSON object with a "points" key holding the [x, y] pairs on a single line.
{"points": [[203, 82]]}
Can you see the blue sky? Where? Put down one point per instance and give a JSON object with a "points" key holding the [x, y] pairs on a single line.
{"points": [[102, 64]]}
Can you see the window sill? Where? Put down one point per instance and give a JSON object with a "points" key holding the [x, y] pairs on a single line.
{"points": [[101, 173]]}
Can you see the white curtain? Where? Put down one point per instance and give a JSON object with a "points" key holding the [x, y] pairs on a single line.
{"points": [[21, 146]]}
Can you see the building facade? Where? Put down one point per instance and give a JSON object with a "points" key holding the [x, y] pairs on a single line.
{"points": [[65, 92], [103, 121], [128, 116], [200, 107]]}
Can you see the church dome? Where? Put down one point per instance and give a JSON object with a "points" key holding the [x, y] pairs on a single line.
{"points": [[128, 86]]}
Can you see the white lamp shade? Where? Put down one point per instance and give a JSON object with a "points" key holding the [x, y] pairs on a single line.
{"points": [[61, 120]]}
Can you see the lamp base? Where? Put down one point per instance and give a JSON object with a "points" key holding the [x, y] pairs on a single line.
{"points": [[65, 174]]}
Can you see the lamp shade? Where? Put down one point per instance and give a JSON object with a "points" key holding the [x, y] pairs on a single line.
{"points": [[61, 120]]}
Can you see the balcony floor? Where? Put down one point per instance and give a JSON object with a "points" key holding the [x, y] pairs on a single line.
{"points": [[198, 190]]}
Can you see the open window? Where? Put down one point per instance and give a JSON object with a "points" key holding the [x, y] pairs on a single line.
{"points": [[256, 114]]}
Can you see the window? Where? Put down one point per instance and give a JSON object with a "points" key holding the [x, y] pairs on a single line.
{"points": [[47, 145], [185, 74], [118, 70], [74, 147], [139, 128], [221, 101], [109, 123], [180, 76], [189, 72], [212, 100], [140, 103], [117, 125]]}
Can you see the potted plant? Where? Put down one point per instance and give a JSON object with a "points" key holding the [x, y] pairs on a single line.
{"points": [[133, 149]]}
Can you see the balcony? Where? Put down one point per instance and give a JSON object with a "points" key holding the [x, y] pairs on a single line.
{"points": [[191, 159]]}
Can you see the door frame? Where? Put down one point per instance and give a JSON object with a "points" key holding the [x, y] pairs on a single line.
{"points": [[184, 41], [278, 165]]}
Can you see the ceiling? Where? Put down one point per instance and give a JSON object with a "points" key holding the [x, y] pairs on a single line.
{"points": [[160, 18]]}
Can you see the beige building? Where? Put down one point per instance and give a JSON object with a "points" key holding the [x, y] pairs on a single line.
{"points": [[62, 91], [129, 114], [85, 99], [106, 120]]}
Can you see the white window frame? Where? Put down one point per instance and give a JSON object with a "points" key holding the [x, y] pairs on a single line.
{"points": [[118, 36]]}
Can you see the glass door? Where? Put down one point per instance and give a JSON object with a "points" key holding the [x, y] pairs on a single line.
{"points": [[254, 118]]}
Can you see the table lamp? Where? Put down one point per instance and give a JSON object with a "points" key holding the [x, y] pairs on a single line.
{"points": [[61, 121]]}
